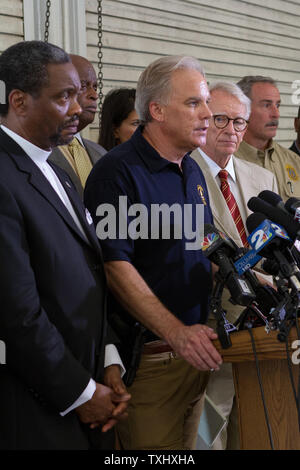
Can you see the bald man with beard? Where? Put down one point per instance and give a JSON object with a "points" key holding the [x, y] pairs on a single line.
{"points": [[78, 157]]}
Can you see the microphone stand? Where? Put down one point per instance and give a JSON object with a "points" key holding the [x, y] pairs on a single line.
{"points": [[286, 313], [224, 327]]}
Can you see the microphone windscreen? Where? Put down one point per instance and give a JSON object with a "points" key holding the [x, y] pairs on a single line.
{"points": [[270, 197], [267, 298], [270, 266], [275, 215], [227, 243], [209, 228], [254, 220], [290, 202]]}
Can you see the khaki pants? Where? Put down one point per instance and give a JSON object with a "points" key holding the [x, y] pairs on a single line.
{"points": [[166, 404]]}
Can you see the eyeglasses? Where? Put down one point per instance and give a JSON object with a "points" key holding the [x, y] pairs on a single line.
{"points": [[221, 121]]}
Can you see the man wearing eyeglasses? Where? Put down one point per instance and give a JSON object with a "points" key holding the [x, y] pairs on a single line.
{"points": [[231, 182]]}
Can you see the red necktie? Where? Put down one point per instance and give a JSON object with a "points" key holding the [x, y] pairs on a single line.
{"points": [[232, 206]]}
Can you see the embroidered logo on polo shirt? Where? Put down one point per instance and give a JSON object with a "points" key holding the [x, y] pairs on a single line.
{"points": [[201, 193], [293, 175]]}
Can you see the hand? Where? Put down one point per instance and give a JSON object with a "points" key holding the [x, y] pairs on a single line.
{"points": [[112, 378], [120, 397], [194, 344], [99, 408], [265, 280]]}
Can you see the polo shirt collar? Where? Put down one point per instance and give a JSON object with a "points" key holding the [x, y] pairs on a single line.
{"points": [[148, 154]]}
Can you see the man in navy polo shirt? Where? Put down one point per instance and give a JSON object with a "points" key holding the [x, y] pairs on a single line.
{"points": [[149, 202]]}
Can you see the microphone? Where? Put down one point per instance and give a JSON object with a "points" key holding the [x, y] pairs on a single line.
{"points": [[265, 235], [271, 242], [245, 289], [218, 248], [276, 215], [292, 205], [273, 198], [270, 266]]}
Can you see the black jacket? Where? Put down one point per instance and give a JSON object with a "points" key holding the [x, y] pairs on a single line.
{"points": [[53, 307]]}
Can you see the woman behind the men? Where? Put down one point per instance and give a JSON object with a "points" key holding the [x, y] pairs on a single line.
{"points": [[119, 119]]}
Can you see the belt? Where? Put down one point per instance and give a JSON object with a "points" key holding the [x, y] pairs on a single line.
{"points": [[156, 347]]}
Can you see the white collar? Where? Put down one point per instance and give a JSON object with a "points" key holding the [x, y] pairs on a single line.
{"points": [[35, 153], [214, 168], [79, 138]]}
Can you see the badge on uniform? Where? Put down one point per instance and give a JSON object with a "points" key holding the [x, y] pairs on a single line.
{"points": [[201, 193], [88, 217], [292, 173]]}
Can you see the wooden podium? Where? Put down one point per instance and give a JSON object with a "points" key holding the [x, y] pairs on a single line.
{"points": [[279, 396]]}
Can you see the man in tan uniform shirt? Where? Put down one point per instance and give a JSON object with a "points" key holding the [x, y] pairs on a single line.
{"points": [[258, 145]]}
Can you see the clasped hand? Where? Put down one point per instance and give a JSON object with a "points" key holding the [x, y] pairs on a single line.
{"points": [[109, 402]]}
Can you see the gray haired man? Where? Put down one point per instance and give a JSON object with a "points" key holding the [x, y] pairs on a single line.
{"points": [[231, 183], [156, 280]]}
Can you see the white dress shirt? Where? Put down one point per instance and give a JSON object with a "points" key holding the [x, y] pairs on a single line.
{"points": [[39, 157], [214, 168], [79, 138]]}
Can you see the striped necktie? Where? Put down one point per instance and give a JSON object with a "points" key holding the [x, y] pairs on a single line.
{"points": [[81, 159], [232, 206]]}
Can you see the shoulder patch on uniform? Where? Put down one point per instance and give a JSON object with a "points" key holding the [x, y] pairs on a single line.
{"points": [[292, 173], [201, 193]]}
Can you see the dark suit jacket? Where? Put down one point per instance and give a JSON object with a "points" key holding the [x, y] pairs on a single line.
{"points": [[53, 302], [294, 148], [95, 152]]}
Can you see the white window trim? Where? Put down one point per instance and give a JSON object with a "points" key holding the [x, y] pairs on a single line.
{"points": [[67, 23]]}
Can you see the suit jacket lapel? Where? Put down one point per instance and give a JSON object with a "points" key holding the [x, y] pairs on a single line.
{"points": [[41, 184], [59, 159], [78, 208], [93, 154], [37, 179], [217, 202], [249, 183]]}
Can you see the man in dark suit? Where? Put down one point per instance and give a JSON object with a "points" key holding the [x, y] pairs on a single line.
{"points": [[53, 291], [87, 151], [295, 147]]}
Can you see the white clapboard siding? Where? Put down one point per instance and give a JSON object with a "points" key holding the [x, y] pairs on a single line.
{"points": [[11, 23], [232, 38]]}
